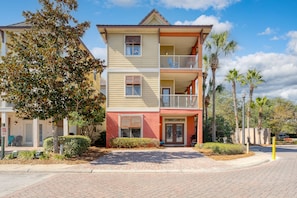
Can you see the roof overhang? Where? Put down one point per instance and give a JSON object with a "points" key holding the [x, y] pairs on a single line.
{"points": [[164, 30]]}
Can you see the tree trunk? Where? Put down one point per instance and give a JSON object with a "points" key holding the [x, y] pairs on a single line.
{"points": [[249, 112], [214, 104], [235, 112], [55, 138]]}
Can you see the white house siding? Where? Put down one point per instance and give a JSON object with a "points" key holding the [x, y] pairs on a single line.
{"points": [[148, 58], [116, 90]]}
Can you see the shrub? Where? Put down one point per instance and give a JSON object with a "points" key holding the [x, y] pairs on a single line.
{"points": [[73, 145], [223, 149], [101, 141], [134, 142], [26, 155]]}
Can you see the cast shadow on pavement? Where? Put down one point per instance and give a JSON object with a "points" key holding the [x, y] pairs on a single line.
{"points": [[123, 158]]}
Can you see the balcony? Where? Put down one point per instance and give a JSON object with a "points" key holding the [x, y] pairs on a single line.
{"points": [[179, 101], [178, 62]]}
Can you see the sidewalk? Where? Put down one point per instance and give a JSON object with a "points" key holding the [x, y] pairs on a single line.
{"points": [[181, 159]]}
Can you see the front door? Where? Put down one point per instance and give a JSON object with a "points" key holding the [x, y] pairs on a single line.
{"points": [[174, 133], [166, 97]]}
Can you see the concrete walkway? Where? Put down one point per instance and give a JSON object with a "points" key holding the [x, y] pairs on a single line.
{"points": [[170, 159]]}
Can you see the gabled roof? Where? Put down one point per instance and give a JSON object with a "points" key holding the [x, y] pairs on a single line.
{"points": [[154, 18], [25, 25], [21, 25]]}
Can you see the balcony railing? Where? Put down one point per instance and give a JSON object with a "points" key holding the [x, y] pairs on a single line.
{"points": [[179, 61], [177, 101]]}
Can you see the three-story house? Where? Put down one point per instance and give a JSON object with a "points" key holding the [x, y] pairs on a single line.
{"points": [[154, 80]]}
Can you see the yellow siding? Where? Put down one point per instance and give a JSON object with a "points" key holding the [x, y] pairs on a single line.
{"points": [[116, 91], [148, 59]]}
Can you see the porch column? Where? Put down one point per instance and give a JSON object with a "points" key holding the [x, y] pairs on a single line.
{"points": [[199, 128], [4, 126], [65, 127], [35, 133], [73, 129]]}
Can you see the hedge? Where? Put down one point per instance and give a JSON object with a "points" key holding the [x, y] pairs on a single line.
{"points": [[134, 142], [73, 145]]}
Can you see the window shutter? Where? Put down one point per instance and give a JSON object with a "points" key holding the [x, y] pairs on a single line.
{"points": [[137, 80], [133, 40], [130, 122]]}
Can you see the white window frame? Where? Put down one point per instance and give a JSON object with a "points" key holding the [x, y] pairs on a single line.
{"points": [[132, 95], [140, 47], [130, 128]]}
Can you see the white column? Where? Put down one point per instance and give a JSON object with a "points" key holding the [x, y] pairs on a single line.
{"points": [[35, 134], [73, 129], [65, 127], [4, 126]]}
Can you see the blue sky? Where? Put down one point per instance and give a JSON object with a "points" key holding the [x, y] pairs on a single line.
{"points": [[265, 30]]}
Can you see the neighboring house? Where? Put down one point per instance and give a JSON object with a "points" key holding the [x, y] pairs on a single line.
{"points": [[154, 80], [32, 131]]}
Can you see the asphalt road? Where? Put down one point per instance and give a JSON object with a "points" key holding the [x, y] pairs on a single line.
{"points": [[274, 179]]}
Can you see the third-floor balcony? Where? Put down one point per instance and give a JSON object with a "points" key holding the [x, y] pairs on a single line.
{"points": [[178, 62], [179, 101]]}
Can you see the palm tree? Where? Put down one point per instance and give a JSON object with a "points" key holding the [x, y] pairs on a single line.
{"points": [[216, 45], [234, 76], [253, 78], [260, 103], [205, 73]]}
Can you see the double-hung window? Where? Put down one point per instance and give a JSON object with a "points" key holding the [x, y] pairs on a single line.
{"points": [[133, 45], [130, 126], [133, 85]]}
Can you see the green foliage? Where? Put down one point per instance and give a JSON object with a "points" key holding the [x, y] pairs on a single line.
{"points": [[58, 157], [88, 119], [76, 146], [282, 116], [9, 156], [134, 142], [46, 68], [73, 145], [26, 155], [101, 141], [223, 149]]}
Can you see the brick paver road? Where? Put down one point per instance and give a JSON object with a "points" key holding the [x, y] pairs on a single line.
{"points": [[274, 179]]}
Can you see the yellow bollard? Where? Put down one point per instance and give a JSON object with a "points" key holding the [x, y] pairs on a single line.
{"points": [[273, 148]]}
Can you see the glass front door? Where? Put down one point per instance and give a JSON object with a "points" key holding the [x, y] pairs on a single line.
{"points": [[166, 97], [174, 133]]}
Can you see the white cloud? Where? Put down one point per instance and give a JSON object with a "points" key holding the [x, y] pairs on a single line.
{"points": [[278, 70], [292, 45], [99, 53], [209, 20], [123, 3], [267, 31], [199, 4]]}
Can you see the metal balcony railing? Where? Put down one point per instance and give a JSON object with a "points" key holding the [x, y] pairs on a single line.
{"points": [[179, 61], [177, 101]]}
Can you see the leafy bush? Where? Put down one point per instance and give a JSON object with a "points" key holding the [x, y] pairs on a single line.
{"points": [[101, 141], [134, 142], [223, 149], [73, 145], [26, 155]]}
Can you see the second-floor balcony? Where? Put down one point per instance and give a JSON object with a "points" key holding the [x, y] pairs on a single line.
{"points": [[179, 101], [178, 62]]}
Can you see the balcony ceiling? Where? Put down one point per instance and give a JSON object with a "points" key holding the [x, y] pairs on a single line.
{"points": [[182, 80], [182, 45]]}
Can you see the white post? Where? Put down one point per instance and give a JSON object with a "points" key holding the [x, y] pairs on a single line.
{"points": [[4, 126], [65, 127], [35, 133]]}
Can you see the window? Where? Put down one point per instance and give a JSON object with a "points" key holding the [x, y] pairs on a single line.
{"points": [[133, 85], [133, 45], [131, 126]]}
